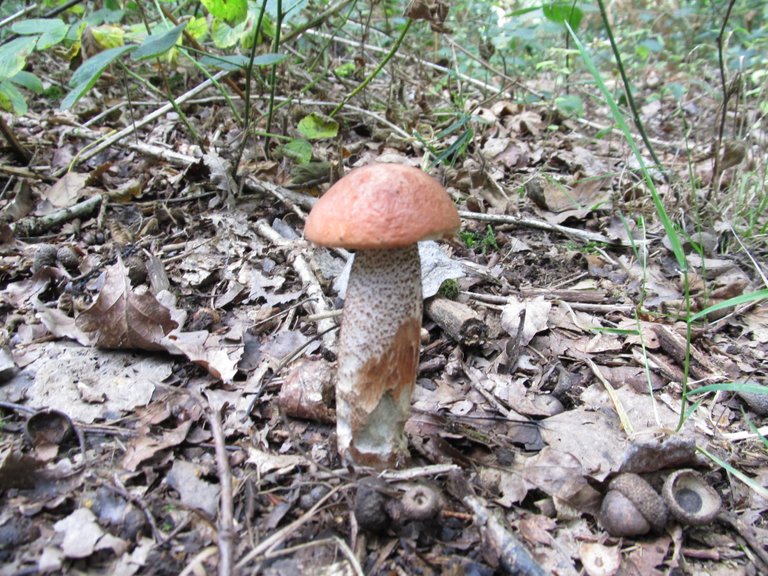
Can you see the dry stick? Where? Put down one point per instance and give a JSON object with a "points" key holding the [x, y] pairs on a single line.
{"points": [[34, 226], [326, 325], [21, 153], [277, 537], [726, 97], [334, 540], [107, 142], [512, 554], [226, 506], [583, 235], [197, 46], [152, 150]]}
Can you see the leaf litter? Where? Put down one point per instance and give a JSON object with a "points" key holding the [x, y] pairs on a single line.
{"points": [[184, 306]]}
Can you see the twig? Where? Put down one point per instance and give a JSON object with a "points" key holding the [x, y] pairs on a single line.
{"points": [[325, 325], [24, 173], [279, 536], [498, 540], [118, 488], [583, 235], [170, 156], [21, 153], [32, 226], [226, 507], [726, 97], [335, 540], [390, 53], [116, 137]]}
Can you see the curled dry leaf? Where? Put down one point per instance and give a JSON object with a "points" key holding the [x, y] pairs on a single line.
{"points": [[123, 319]]}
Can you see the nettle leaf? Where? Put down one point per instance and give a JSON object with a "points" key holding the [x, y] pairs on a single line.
{"points": [[225, 36], [298, 149], [85, 77], [108, 35], [158, 44], [50, 31], [198, 28], [562, 12], [13, 56], [231, 11], [317, 126]]}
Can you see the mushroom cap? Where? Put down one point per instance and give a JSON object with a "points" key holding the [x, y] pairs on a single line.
{"points": [[382, 206]]}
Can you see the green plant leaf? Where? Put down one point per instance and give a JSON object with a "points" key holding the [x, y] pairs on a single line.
{"points": [[11, 99], [50, 31], [28, 81], [562, 12], [345, 70], [735, 301], [13, 56], [317, 126], [225, 36], [108, 35], [570, 105], [158, 44], [291, 9], [269, 59], [298, 149], [231, 11], [85, 77], [198, 28]]}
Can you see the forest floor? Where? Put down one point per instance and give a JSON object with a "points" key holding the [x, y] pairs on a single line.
{"points": [[167, 369]]}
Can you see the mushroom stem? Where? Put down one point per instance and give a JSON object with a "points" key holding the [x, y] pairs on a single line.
{"points": [[378, 355]]}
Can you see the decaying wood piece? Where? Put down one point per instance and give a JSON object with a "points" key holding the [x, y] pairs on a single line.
{"points": [[675, 345], [498, 540], [457, 320]]}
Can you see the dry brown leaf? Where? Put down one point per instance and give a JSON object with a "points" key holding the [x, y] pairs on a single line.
{"points": [[145, 447], [536, 316], [123, 319], [66, 190], [206, 350]]}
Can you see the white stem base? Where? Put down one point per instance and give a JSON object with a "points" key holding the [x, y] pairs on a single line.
{"points": [[378, 356]]}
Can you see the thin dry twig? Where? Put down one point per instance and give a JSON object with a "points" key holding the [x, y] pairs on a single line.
{"points": [[279, 536], [584, 235], [318, 303], [226, 524], [162, 111]]}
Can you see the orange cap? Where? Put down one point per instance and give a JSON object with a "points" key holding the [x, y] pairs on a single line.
{"points": [[382, 206]]}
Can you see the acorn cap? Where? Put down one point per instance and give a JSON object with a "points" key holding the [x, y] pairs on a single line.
{"points": [[382, 206]]}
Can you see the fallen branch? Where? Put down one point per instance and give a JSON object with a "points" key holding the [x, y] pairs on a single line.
{"points": [[162, 111], [34, 226], [583, 235], [511, 554], [325, 324]]}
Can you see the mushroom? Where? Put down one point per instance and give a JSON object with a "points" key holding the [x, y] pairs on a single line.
{"points": [[689, 498], [381, 211]]}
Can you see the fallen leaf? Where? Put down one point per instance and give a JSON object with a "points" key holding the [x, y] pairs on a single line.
{"points": [[184, 477], [66, 190], [145, 447], [123, 319], [81, 533], [123, 381], [536, 316]]}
